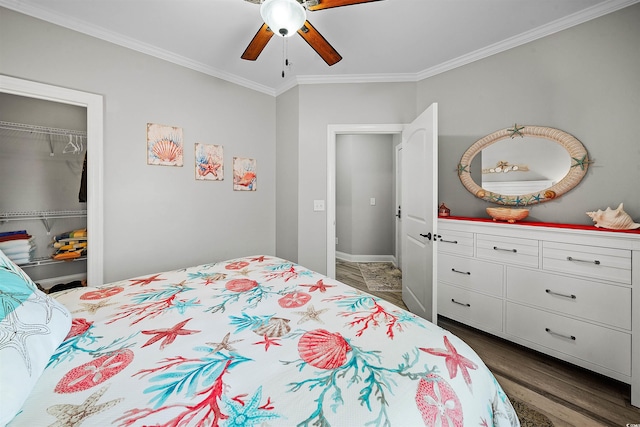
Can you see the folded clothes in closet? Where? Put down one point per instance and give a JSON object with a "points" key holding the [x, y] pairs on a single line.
{"points": [[18, 246], [70, 245]]}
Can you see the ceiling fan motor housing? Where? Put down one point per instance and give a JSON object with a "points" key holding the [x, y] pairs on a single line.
{"points": [[284, 17]]}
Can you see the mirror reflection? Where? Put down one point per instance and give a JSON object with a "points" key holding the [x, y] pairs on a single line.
{"points": [[522, 165]]}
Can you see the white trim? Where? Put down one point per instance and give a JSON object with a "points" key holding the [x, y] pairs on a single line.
{"points": [[366, 258], [398, 202], [332, 132], [95, 211], [553, 27]]}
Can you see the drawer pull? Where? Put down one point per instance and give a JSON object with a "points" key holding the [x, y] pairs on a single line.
{"points": [[495, 248], [550, 292], [460, 303], [596, 262], [455, 242], [569, 337], [461, 272]]}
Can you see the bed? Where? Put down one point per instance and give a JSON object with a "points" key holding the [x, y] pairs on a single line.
{"points": [[251, 341]]}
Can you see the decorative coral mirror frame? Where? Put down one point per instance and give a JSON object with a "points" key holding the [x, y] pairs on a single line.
{"points": [[578, 155]]}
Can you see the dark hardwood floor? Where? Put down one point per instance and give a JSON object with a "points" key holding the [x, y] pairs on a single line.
{"points": [[567, 394]]}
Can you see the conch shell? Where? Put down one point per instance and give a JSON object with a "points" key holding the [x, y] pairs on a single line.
{"points": [[614, 219]]}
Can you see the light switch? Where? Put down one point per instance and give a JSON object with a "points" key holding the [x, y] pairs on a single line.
{"points": [[318, 205], [372, 201]]}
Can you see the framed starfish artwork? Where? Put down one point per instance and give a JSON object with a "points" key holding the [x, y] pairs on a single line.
{"points": [[244, 174], [164, 145], [209, 162]]}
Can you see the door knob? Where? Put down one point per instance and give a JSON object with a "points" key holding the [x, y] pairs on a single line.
{"points": [[428, 235]]}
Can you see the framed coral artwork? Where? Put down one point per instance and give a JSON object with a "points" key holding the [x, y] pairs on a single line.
{"points": [[209, 162], [164, 145], [244, 174]]}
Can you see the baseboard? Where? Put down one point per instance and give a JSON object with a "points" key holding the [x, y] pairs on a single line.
{"points": [[366, 258]]}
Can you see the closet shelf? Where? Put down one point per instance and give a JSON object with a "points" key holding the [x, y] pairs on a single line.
{"points": [[10, 126], [44, 216], [48, 261]]}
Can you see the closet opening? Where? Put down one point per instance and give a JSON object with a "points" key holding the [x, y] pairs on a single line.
{"points": [[51, 168]]}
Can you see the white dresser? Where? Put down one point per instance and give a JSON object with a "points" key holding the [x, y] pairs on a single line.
{"points": [[562, 291]]}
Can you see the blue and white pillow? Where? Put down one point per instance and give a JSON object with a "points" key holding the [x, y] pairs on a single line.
{"points": [[32, 326]]}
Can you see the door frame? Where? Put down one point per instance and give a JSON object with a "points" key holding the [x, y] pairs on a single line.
{"points": [[95, 208], [332, 132], [398, 202]]}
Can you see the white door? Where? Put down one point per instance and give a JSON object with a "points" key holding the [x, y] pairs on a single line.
{"points": [[419, 219]]}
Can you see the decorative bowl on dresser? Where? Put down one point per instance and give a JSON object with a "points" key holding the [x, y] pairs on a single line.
{"points": [[563, 290]]}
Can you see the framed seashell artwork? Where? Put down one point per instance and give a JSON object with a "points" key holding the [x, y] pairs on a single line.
{"points": [[164, 145], [244, 174], [209, 162]]}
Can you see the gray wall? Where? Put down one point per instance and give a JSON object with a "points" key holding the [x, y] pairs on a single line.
{"points": [[158, 217], [583, 80], [287, 175], [364, 170], [320, 106]]}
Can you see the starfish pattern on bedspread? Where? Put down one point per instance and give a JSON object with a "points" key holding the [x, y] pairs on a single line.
{"points": [[146, 281], [69, 415], [93, 308], [14, 334], [311, 314], [168, 335], [453, 360], [225, 344]]}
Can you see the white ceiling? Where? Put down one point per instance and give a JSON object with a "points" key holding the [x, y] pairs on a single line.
{"points": [[388, 40]]}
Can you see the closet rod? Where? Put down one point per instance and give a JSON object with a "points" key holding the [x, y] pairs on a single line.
{"points": [[41, 129]]}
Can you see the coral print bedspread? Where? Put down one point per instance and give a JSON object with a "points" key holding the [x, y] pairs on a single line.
{"points": [[256, 341]]}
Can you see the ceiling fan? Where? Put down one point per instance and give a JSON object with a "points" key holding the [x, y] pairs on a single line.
{"points": [[288, 17]]}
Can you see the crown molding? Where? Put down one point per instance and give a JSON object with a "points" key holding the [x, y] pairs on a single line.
{"points": [[553, 27], [127, 42], [529, 36]]}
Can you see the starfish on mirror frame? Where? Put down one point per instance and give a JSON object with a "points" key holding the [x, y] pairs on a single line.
{"points": [[69, 415], [537, 198], [224, 345], [462, 168], [583, 162], [516, 131], [311, 314]]}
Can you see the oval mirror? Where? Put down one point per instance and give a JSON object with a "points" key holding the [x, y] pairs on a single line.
{"points": [[523, 165]]}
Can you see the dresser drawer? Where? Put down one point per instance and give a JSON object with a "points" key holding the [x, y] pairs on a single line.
{"points": [[455, 242], [471, 308], [594, 344], [470, 273], [599, 302], [588, 261], [507, 249]]}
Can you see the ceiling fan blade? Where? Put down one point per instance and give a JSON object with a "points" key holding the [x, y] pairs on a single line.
{"points": [[326, 4], [258, 43], [319, 44]]}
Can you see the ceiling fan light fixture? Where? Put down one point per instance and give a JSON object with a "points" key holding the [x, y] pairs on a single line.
{"points": [[284, 17]]}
